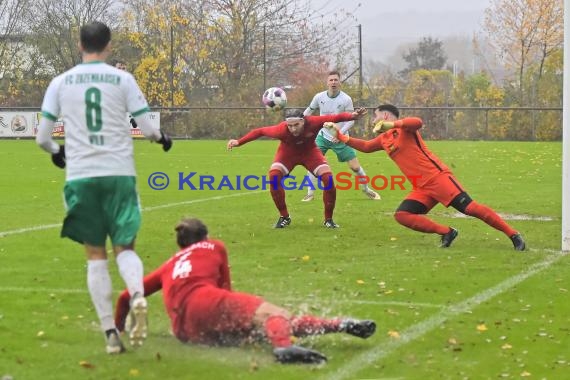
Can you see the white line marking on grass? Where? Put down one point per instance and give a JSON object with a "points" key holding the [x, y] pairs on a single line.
{"points": [[29, 229], [20, 289], [151, 208], [411, 305], [525, 217], [418, 330]]}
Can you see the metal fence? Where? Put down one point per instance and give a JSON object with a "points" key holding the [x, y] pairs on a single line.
{"points": [[440, 123]]}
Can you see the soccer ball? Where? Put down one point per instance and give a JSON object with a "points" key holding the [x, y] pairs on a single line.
{"points": [[274, 98]]}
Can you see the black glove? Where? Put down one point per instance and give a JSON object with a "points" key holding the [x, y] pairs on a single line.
{"points": [[133, 122], [166, 141], [58, 158]]}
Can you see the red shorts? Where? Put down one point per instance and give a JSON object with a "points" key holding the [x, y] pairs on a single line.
{"points": [[215, 316], [311, 159], [442, 188]]}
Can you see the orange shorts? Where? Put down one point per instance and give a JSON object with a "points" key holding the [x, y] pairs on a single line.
{"points": [[442, 188], [215, 316]]}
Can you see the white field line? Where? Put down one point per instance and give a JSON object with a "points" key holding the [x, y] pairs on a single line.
{"points": [[505, 216], [151, 208], [349, 369]]}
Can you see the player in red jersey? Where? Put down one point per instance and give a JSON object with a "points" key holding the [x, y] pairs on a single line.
{"points": [[202, 307], [297, 134], [434, 183]]}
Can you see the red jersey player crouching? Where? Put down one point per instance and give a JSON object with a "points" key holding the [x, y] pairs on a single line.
{"points": [[203, 309], [436, 184], [297, 134]]}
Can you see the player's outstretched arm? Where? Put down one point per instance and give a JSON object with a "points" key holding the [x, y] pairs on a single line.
{"points": [[152, 133], [359, 112], [358, 144], [231, 144]]}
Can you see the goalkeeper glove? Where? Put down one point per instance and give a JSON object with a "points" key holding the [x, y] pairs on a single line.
{"points": [[165, 141], [383, 126], [58, 158], [331, 128]]}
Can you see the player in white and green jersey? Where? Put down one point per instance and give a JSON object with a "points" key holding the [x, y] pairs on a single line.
{"points": [[101, 200], [335, 101]]}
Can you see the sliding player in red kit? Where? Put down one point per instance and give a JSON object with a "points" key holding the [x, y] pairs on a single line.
{"points": [[203, 309], [434, 181], [297, 134]]}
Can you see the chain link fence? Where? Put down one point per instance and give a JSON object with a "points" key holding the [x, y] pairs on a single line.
{"points": [[440, 123]]}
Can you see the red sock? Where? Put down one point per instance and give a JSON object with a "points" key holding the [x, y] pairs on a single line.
{"points": [[329, 195], [308, 325], [277, 192], [489, 216], [419, 222], [278, 331]]}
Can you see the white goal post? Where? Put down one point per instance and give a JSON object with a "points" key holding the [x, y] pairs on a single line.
{"points": [[566, 133]]}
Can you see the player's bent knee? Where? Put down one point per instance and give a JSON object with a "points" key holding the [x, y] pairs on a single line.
{"points": [[461, 203], [266, 310]]}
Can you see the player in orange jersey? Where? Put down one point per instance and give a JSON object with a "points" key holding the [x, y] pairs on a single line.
{"points": [[401, 140], [202, 307]]}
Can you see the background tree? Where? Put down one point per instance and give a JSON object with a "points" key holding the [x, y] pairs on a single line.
{"points": [[428, 54], [430, 88], [478, 90], [12, 56], [524, 32]]}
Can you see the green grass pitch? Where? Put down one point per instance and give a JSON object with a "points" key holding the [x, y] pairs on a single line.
{"points": [[478, 310]]}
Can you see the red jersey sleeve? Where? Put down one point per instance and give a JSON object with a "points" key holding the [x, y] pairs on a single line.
{"points": [[316, 122], [152, 284], [273, 131]]}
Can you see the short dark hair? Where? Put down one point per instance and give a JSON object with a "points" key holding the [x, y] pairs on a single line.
{"points": [[294, 112], [334, 72], [190, 231], [94, 37], [390, 108]]}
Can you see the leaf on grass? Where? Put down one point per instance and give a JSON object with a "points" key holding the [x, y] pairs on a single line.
{"points": [[253, 365], [40, 334], [481, 327], [64, 318], [452, 341], [506, 346], [525, 374], [86, 364], [134, 372], [306, 258], [394, 334], [393, 238], [359, 282]]}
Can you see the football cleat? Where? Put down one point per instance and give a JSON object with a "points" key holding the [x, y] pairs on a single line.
{"points": [[329, 223], [137, 315], [447, 239], [297, 354], [361, 329], [282, 222], [114, 344], [518, 242], [371, 194], [308, 198]]}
